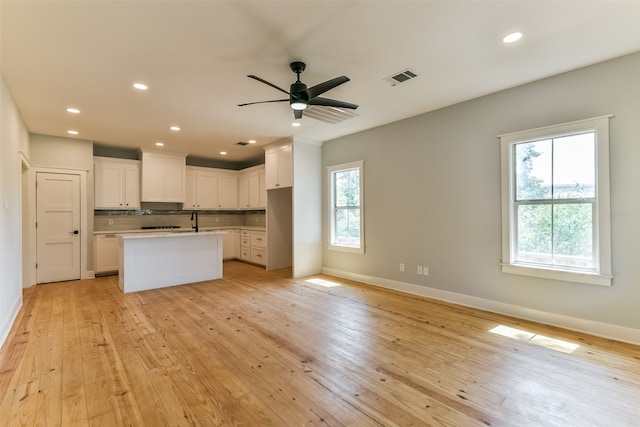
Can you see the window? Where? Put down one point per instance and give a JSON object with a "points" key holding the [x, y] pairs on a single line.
{"points": [[555, 197], [346, 207]]}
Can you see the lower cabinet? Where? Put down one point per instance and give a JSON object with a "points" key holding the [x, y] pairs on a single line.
{"points": [[253, 246], [106, 250], [228, 244]]}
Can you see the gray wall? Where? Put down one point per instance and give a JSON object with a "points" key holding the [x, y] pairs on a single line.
{"points": [[432, 193]]}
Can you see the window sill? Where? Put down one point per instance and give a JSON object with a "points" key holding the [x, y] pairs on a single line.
{"points": [[349, 249], [557, 274]]}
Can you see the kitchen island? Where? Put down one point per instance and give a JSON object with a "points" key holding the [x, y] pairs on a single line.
{"points": [[157, 260]]}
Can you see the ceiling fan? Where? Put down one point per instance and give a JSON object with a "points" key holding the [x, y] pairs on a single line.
{"points": [[300, 97]]}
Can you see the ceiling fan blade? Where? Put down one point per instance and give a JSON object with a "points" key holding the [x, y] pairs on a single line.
{"points": [[262, 102], [326, 102], [251, 76], [297, 114], [321, 88]]}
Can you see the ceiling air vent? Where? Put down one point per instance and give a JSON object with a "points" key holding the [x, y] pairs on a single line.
{"points": [[331, 115], [242, 143], [401, 77]]}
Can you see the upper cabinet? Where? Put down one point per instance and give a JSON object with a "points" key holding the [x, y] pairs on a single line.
{"points": [[251, 189], [208, 188], [116, 183], [163, 177], [279, 166]]}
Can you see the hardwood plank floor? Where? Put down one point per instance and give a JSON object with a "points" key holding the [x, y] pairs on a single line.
{"points": [[261, 349]]}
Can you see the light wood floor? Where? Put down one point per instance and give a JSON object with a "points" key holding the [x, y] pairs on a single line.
{"points": [[261, 349]]}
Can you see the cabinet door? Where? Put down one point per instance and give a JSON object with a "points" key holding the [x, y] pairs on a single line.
{"points": [[108, 184], [285, 166], [153, 177], [227, 191], [106, 253], [254, 190], [236, 244], [271, 168], [174, 179], [207, 190], [132, 187], [262, 192], [243, 191], [228, 245], [190, 201]]}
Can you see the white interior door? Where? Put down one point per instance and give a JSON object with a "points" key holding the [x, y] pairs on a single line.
{"points": [[58, 227]]}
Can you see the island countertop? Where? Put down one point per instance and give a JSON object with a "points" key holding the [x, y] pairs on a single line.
{"points": [[170, 234]]}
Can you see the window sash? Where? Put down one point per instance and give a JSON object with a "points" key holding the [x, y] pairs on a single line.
{"points": [[342, 239], [600, 273]]}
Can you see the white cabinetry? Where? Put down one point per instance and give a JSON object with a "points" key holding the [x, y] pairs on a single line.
{"points": [[279, 166], [163, 177], [106, 253], [251, 186], [116, 183], [253, 246], [228, 244], [208, 188]]}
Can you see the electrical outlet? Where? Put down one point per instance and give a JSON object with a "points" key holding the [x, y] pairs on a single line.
{"points": [[402, 267], [217, 219], [419, 270], [110, 221], [425, 271]]}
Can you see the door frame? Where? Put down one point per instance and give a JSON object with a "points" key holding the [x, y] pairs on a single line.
{"points": [[31, 218]]}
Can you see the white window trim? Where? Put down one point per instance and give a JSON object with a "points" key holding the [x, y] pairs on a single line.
{"points": [[330, 170], [602, 242]]}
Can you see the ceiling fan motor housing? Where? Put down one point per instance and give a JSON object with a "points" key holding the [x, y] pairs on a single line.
{"points": [[299, 93]]}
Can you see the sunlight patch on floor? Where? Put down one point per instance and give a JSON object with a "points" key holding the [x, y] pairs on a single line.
{"points": [[323, 282], [541, 340]]}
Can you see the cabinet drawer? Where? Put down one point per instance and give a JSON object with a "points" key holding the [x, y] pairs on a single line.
{"points": [[245, 241], [259, 256], [245, 233], [258, 240], [245, 253]]}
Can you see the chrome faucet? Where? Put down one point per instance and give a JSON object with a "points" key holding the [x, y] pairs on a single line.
{"points": [[195, 227]]}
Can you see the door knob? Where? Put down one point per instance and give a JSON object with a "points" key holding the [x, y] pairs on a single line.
{"points": [[75, 232]]}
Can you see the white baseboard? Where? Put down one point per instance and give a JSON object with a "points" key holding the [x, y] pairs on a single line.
{"points": [[605, 330], [6, 326]]}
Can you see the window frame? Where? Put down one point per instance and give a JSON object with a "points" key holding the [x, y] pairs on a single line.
{"points": [[601, 217], [331, 171]]}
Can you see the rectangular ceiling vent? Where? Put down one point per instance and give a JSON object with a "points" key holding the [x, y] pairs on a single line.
{"points": [[401, 77], [331, 115]]}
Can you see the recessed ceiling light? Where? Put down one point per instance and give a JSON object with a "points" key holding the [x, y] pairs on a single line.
{"points": [[224, 153], [175, 128], [252, 141], [73, 111], [159, 144], [72, 132], [295, 124], [140, 86], [512, 37]]}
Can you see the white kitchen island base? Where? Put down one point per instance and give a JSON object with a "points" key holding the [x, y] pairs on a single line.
{"points": [[158, 260]]}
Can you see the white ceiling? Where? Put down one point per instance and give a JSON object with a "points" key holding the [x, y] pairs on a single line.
{"points": [[195, 56]]}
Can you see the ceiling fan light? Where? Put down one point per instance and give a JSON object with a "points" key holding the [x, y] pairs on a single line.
{"points": [[298, 105]]}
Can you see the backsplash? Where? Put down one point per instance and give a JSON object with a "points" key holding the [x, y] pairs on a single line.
{"points": [[121, 221]]}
